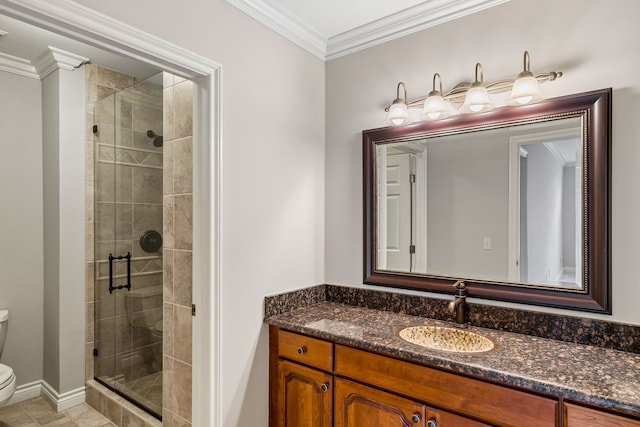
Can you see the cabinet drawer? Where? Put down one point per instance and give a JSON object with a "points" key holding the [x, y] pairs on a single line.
{"points": [[307, 350], [579, 416], [484, 401]]}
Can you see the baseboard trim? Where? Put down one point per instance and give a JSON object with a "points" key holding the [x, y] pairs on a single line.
{"points": [[59, 402], [25, 392], [65, 400]]}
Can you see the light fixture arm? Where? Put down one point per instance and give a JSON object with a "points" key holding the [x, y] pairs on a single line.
{"points": [[479, 74], [436, 77], [527, 62]]}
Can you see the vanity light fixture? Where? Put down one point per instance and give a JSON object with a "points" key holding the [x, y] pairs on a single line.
{"points": [[477, 98], [438, 105], [525, 88], [435, 106], [398, 111]]}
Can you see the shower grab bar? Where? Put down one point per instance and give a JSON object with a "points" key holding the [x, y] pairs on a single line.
{"points": [[118, 258]]}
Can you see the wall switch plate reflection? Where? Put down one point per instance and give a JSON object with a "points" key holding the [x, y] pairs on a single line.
{"points": [[486, 243]]}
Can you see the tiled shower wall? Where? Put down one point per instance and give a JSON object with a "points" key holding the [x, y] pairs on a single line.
{"points": [[177, 232]]}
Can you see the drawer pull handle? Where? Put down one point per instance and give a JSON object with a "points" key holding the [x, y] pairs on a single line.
{"points": [[431, 423], [415, 418], [325, 386], [302, 350]]}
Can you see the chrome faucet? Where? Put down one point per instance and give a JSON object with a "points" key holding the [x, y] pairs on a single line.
{"points": [[456, 307]]}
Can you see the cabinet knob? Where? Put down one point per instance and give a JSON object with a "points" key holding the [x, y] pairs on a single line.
{"points": [[301, 350], [432, 423], [415, 418], [325, 386]]}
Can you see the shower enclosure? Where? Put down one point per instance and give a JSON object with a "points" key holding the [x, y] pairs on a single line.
{"points": [[128, 243]]}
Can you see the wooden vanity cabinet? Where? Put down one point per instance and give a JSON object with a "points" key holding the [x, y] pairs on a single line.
{"points": [[580, 416], [316, 383]]}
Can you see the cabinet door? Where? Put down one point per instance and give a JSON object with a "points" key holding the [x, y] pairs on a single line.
{"points": [[357, 405], [579, 416], [304, 396], [440, 418]]}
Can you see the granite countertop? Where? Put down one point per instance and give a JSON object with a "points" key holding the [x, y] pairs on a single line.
{"points": [[581, 373]]}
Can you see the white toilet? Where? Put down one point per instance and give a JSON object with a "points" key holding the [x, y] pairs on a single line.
{"points": [[7, 377]]}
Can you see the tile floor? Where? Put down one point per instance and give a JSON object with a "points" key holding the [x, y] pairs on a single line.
{"points": [[36, 412]]}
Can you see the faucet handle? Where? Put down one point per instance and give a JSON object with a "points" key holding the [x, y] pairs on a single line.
{"points": [[451, 307]]}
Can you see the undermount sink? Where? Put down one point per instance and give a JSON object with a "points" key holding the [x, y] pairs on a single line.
{"points": [[446, 339]]}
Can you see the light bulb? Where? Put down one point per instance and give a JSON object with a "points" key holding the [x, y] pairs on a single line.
{"points": [[524, 99]]}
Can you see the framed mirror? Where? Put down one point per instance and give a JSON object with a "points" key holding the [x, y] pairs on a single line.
{"points": [[515, 202]]}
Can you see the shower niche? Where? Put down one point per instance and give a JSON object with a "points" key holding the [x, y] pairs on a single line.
{"points": [[128, 209]]}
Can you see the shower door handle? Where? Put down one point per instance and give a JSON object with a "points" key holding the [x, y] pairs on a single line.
{"points": [[118, 258]]}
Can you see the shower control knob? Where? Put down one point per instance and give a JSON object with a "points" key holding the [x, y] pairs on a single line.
{"points": [[151, 241]]}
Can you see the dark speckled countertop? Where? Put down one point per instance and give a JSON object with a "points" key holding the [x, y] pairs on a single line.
{"points": [[581, 373]]}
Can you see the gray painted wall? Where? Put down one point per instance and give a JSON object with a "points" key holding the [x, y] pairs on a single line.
{"points": [[21, 224]]}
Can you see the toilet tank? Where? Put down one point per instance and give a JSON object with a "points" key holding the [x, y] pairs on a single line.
{"points": [[4, 321]]}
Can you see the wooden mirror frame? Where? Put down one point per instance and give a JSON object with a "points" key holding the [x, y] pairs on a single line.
{"points": [[596, 297]]}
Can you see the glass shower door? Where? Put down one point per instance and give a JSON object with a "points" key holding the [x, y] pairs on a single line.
{"points": [[105, 239], [129, 176]]}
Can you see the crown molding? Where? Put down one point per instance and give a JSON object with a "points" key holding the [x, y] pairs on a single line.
{"points": [[405, 22], [52, 59], [285, 24], [410, 20], [19, 66], [55, 58]]}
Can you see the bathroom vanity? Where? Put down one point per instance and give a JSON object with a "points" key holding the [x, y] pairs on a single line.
{"points": [[339, 365]]}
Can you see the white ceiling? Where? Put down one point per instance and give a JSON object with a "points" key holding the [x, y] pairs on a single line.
{"points": [[333, 17], [333, 28]]}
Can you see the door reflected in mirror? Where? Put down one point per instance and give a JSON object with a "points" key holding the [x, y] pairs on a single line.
{"points": [[500, 205]]}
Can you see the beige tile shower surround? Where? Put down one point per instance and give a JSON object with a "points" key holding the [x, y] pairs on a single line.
{"points": [[178, 250], [176, 202]]}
